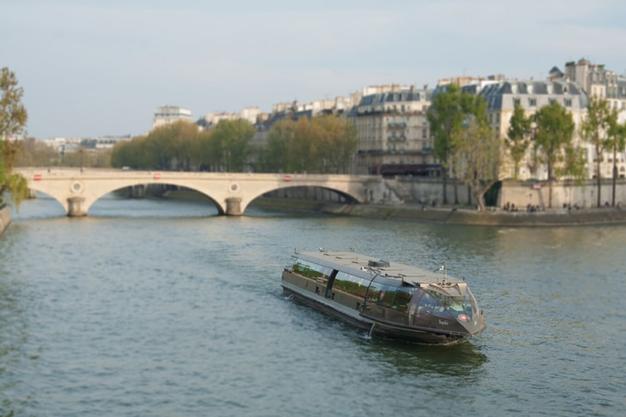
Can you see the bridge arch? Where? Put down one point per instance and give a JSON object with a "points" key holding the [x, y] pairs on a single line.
{"points": [[119, 185], [59, 199], [348, 194]]}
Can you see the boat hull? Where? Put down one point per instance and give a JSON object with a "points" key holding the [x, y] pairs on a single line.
{"points": [[374, 327]]}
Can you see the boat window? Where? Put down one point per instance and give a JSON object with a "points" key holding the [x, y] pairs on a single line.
{"points": [[351, 284], [469, 298], [311, 270], [389, 295], [432, 303]]}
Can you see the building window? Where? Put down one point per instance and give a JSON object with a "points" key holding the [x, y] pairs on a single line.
{"points": [[568, 102], [517, 102], [532, 102]]}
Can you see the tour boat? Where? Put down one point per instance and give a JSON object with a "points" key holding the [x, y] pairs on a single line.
{"points": [[385, 298]]}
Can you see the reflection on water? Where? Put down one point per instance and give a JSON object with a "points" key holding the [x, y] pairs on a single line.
{"points": [[154, 307], [462, 359], [13, 338]]}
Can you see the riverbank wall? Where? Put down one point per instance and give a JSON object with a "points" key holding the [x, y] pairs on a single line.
{"points": [[5, 218], [444, 215], [422, 203], [429, 191], [564, 193]]}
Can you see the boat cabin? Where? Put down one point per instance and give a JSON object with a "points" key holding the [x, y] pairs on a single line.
{"points": [[398, 299]]}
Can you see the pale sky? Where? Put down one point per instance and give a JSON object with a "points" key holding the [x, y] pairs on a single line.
{"points": [[102, 67]]}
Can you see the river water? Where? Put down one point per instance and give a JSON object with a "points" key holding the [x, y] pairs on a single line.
{"points": [[151, 308]]}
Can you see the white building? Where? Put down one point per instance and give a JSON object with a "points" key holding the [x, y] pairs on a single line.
{"points": [[393, 133], [250, 114], [338, 105], [531, 96], [168, 114], [597, 81]]}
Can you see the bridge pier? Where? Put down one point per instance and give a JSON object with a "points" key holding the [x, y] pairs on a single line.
{"points": [[75, 207], [233, 206]]}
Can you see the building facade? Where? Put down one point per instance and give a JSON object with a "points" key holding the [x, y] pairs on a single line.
{"points": [[169, 114], [531, 96], [393, 133], [597, 81]]}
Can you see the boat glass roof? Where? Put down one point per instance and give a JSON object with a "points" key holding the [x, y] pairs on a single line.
{"points": [[359, 265]]}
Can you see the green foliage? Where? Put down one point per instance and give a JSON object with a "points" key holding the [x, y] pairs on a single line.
{"points": [[2, 173], [555, 130], [181, 146], [445, 117], [616, 142], [595, 129], [13, 118], [230, 143], [574, 164], [595, 126], [13, 114], [554, 134], [448, 115], [477, 158], [323, 144], [518, 138], [17, 186]]}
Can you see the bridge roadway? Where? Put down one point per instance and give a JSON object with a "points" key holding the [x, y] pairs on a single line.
{"points": [[78, 189]]}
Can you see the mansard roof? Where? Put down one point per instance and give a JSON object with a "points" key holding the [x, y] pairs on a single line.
{"points": [[394, 97], [493, 93]]}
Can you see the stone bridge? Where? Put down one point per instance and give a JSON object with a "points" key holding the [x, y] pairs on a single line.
{"points": [[78, 189]]}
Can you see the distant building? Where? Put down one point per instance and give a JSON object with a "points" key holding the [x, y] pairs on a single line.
{"points": [[596, 81], [337, 106], [168, 114], [250, 114], [59, 143], [211, 119], [384, 88], [103, 142], [393, 133], [469, 84], [531, 96]]}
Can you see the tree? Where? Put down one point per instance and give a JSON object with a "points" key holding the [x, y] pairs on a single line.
{"points": [[555, 129], [447, 114], [169, 147], [36, 153], [595, 128], [445, 117], [232, 139], [616, 143], [477, 159], [276, 153], [574, 163], [13, 118], [518, 138], [338, 143], [207, 156], [324, 144]]}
